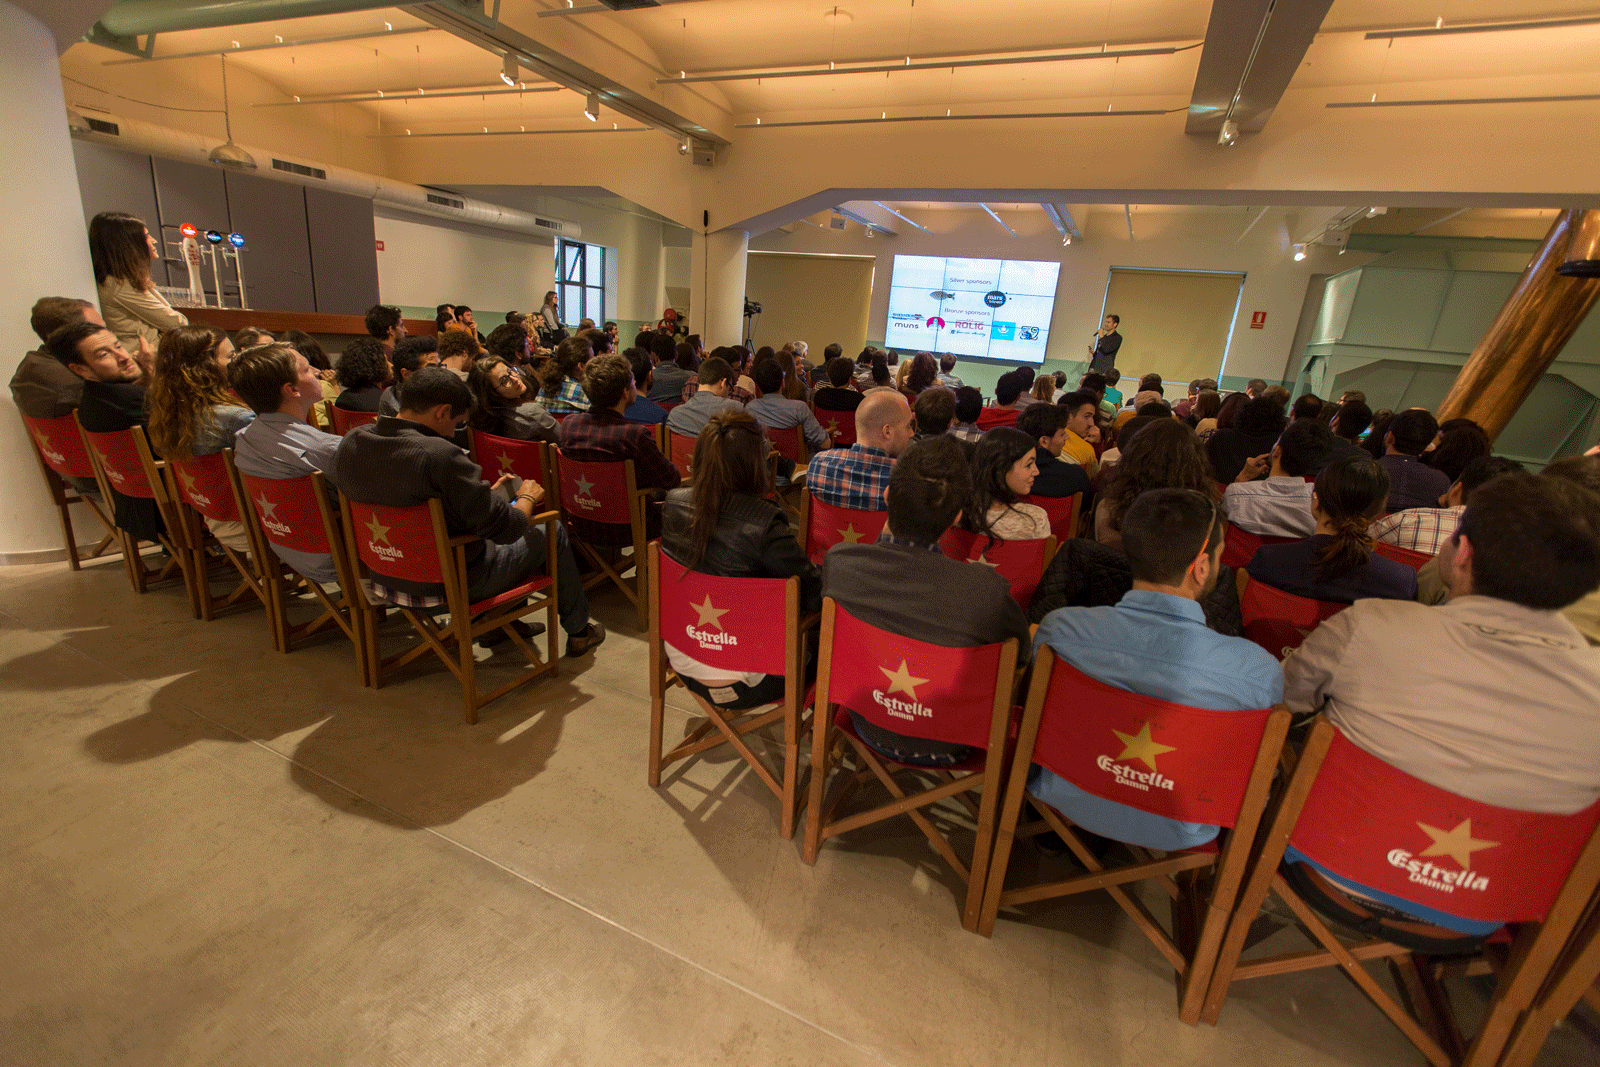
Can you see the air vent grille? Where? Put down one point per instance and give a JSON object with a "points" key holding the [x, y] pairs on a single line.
{"points": [[547, 224], [300, 169], [102, 126], [445, 201]]}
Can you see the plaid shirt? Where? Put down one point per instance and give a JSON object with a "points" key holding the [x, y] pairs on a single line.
{"points": [[965, 431], [853, 477], [1418, 529], [406, 600], [568, 399]]}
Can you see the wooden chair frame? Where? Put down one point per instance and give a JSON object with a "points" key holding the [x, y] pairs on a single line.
{"points": [[732, 726], [1572, 980], [638, 590], [1534, 953], [197, 542], [279, 580], [343, 421], [1201, 907], [452, 642], [820, 823], [63, 495], [140, 576]]}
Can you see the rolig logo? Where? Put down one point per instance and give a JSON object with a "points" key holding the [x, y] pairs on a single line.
{"points": [[902, 680], [711, 616], [1144, 748], [1459, 845]]}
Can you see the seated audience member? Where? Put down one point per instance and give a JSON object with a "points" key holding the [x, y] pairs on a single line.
{"points": [[1491, 696], [611, 330], [642, 410], [1007, 402], [1460, 441], [1121, 437], [511, 343], [604, 434], [364, 372], [861, 374], [444, 316], [837, 394], [672, 373], [1081, 408], [1113, 394], [1425, 529], [465, 320], [794, 384], [410, 356], [1254, 432], [1349, 422], [1163, 454], [113, 399], [1583, 470], [1203, 415], [1047, 426], [922, 372], [1254, 388], [775, 411], [724, 525], [42, 387], [742, 360], [1279, 395], [904, 585], [855, 477], [410, 458], [878, 375], [1227, 414], [192, 413], [1044, 389], [969, 405], [1308, 406], [715, 379], [249, 337], [1374, 444], [1280, 504], [1003, 472], [1150, 388], [458, 350], [501, 405], [1184, 407], [561, 378], [280, 385], [934, 410], [1336, 563], [1412, 483], [386, 325], [1155, 642], [1095, 385], [947, 366]]}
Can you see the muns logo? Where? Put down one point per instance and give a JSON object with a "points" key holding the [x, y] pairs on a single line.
{"points": [[715, 638], [380, 532], [1144, 748], [902, 680], [1458, 844], [585, 497], [270, 521]]}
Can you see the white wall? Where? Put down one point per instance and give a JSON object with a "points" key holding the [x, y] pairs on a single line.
{"points": [[427, 262]]}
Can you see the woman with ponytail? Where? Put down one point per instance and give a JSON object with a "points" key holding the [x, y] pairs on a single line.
{"points": [[1336, 563], [724, 525]]}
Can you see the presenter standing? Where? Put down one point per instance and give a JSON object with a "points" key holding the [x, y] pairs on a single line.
{"points": [[1103, 353]]}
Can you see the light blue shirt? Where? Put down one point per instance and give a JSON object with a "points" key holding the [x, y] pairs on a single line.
{"points": [[780, 413], [281, 446], [1157, 645]]}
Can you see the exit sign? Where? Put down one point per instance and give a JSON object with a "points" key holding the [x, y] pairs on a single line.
{"points": [[380, 246], [1258, 319]]}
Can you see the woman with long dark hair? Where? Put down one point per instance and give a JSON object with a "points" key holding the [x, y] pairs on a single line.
{"points": [[501, 405], [121, 249], [1336, 563], [923, 373], [724, 525], [561, 377], [192, 411], [1003, 471], [1163, 454]]}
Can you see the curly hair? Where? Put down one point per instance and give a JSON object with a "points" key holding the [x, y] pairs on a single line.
{"points": [[364, 362], [565, 362], [186, 385], [1165, 454]]}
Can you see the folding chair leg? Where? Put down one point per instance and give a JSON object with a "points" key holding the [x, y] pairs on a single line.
{"points": [[67, 537]]}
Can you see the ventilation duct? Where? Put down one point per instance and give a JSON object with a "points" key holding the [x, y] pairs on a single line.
{"points": [[135, 136]]}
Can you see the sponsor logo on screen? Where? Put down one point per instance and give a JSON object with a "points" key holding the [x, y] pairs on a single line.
{"points": [[1027, 333], [1002, 331], [995, 298], [935, 323]]}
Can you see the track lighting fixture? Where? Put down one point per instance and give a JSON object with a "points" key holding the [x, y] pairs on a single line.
{"points": [[591, 107], [508, 70], [1299, 252], [1229, 134]]}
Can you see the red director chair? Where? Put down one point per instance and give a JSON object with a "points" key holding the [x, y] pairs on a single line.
{"points": [[345, 421], [204, 485], [1277, 621], [62, 455], [120, 464], [606, 493], [743, 626], [497, 456], [1178, 762], [825, 526], [957, 695], [1020, 563], [1361, 820]]}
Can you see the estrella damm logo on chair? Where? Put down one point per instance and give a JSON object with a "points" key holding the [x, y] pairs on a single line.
{"points": [[715, 638], [1458, 844], [1144, 748], [585, 497], [380, 532], [111, 472], [269, 521], [901, 680], [189, 488], [49, 453]]}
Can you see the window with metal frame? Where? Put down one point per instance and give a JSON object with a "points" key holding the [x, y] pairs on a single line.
{"points": [[581, 282]]}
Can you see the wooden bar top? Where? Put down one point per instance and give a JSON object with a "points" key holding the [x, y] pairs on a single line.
{"points": [[231, 319]]}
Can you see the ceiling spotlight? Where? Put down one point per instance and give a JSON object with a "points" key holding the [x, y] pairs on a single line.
{"points": [[508, 70], [1229, 133], [591, 107], [1299, 253], [683, 147]]}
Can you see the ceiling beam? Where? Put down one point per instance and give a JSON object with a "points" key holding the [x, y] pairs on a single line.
{"points": [[870, 224], [303, 42], [901, 217], [998, 219], [1252, 50], [1060, 216], [921, 64], [409, 94]]}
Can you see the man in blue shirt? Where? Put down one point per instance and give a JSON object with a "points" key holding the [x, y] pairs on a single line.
{"points": [[1154, 642]]}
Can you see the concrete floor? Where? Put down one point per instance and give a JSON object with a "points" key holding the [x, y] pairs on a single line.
{"points": [[216, 854]]}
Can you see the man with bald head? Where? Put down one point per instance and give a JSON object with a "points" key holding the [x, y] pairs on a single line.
{"points": [[856, 477]]}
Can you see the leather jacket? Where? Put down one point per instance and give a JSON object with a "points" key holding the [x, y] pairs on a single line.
{"points": [[752, 540]]}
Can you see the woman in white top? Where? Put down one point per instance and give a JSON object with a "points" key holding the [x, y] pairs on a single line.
{"points": [[121, 249], [550, 312], [1002, 474]]}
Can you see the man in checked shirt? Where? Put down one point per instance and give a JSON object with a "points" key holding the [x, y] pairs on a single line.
{"points": [[856, 477]]}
